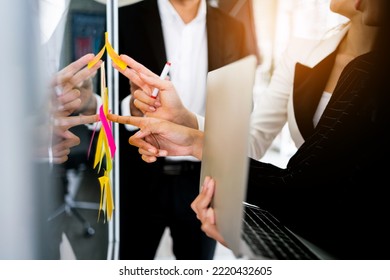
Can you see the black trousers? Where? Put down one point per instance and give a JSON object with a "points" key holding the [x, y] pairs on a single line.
{"points": [[158, 198]]}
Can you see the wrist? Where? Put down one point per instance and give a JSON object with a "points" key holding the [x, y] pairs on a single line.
{"points": [[198, 144], [188, 119]]}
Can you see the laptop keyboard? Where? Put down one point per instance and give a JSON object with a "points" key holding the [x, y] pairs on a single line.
{"points": [[264, 234]]}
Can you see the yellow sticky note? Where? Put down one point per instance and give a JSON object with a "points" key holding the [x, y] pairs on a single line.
{"points": [[111, 53], [114, 56], [97, 57]]}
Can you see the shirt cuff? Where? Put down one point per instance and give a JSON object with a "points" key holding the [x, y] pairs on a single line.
{"points": [[200, 120]]}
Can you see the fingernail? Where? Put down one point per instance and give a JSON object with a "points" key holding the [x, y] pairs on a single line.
{"points": [[138, 133], [58, 90]]}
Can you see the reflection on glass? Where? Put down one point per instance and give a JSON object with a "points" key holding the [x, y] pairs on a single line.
{"points": [[72, 31]]}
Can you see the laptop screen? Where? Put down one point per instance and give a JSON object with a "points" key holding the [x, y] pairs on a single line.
{"points": [[225, 150]]}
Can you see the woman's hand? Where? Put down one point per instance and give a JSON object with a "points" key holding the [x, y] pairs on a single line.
{"points": [[73, 88], [167, 105], [205, 213]]}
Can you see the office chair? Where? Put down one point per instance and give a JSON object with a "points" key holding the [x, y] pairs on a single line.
{"points": [[73, 174]]}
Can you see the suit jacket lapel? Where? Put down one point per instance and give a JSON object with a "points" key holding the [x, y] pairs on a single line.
{"points": [[348, 111], [309, 84]]}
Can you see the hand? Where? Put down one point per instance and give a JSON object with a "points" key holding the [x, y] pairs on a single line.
{"points": [[73, 87], [72, 92], [88, 101], [64, 139], [166, 106], [160, 138], [205, 213]]}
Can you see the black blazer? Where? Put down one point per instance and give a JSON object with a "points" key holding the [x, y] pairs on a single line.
{"points": [[334, 191], [308, 87]]}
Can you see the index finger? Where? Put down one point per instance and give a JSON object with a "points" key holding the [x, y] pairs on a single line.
{"points": [[75, 66], [137, 121], [132, 75], [74, 74], [84, 75], [76, 120], [136, 65]]}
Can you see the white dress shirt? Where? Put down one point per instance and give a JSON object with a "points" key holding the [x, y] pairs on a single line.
{"points": [[186, 48], [321, 107]]}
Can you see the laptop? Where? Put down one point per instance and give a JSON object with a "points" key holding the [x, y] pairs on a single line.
{"points": [[250, 232]]}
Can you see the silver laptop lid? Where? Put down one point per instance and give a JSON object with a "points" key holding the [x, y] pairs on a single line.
{"points": [[225, 150]]}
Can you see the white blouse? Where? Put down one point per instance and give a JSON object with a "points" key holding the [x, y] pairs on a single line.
{"points": [[273, 107], [321, 107]]}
